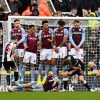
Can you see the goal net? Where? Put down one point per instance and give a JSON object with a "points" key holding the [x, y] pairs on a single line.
{"points": [[91, 44]]}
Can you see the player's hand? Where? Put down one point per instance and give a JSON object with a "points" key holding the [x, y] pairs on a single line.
{"points": [[77, 48], [39, 48], [50, 40], [56, 49], [0, 42], [25, 47], [14, 46]]}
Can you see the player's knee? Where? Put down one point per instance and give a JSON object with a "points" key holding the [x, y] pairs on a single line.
{"points": [[42, 62], [33, 65], [53, 62]]}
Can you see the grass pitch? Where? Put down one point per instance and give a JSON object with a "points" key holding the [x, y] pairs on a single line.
{"points": [[50, 96]]}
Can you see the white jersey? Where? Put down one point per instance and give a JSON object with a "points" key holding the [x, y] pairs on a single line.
{"points": [[8, 51]]}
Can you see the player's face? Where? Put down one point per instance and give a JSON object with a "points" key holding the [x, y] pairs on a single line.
{"points": [[32, 30], [45, 26], [77, 25], [1, 31], [17, 24], [61, 27], [99, 10]]}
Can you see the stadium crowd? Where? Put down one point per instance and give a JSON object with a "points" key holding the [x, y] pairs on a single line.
{"points": [[83, 8]]}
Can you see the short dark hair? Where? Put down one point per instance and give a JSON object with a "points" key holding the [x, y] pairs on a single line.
{"points": [[1, 28], [14, 37], [73, 7], [16, 20], [45, 21], [30, 26], [76, 21], [61, 22], [1, 9]]}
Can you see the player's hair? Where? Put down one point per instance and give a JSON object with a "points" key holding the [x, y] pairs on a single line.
{"points": [[76, 21], [30, 26], [61, 22], [73, 7], [14, 37], [16, 20], [1, 28], [45, 21], [69, 60]]}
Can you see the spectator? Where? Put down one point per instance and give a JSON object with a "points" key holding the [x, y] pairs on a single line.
{"points": [[43, 8], [16, 13], [32, 10], [58, 13], [85, 13], [15, 5], [60, 5], [1, 45], [93, 23], [74, 12], [76, 3], [90, 4], [3, 16], [25, 4], [98, 12]]}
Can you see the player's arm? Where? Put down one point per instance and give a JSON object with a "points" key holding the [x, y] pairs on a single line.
{"points": [[39, 44], [76, 68], [65, 38], [83, 37], [25, 43], [23, 37], [52, 37], [70, 37]]}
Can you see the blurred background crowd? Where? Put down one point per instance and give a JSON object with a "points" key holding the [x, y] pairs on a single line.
{"points": [[83, 8]]}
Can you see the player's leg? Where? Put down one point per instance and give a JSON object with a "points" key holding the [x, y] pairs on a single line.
{"points": [[0, 62], [48, 57], [81, 78], [8, 76], [42, 63], [22, 87], [55, 56], [33, 65], [63, 54], [40, 68], [95, 80], [16, 74], [37, 87], [21, 56], [25, 63], [54, 67]]}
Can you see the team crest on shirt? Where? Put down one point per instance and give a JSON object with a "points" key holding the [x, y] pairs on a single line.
{"points": [[80, 30], [19, 30]]}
